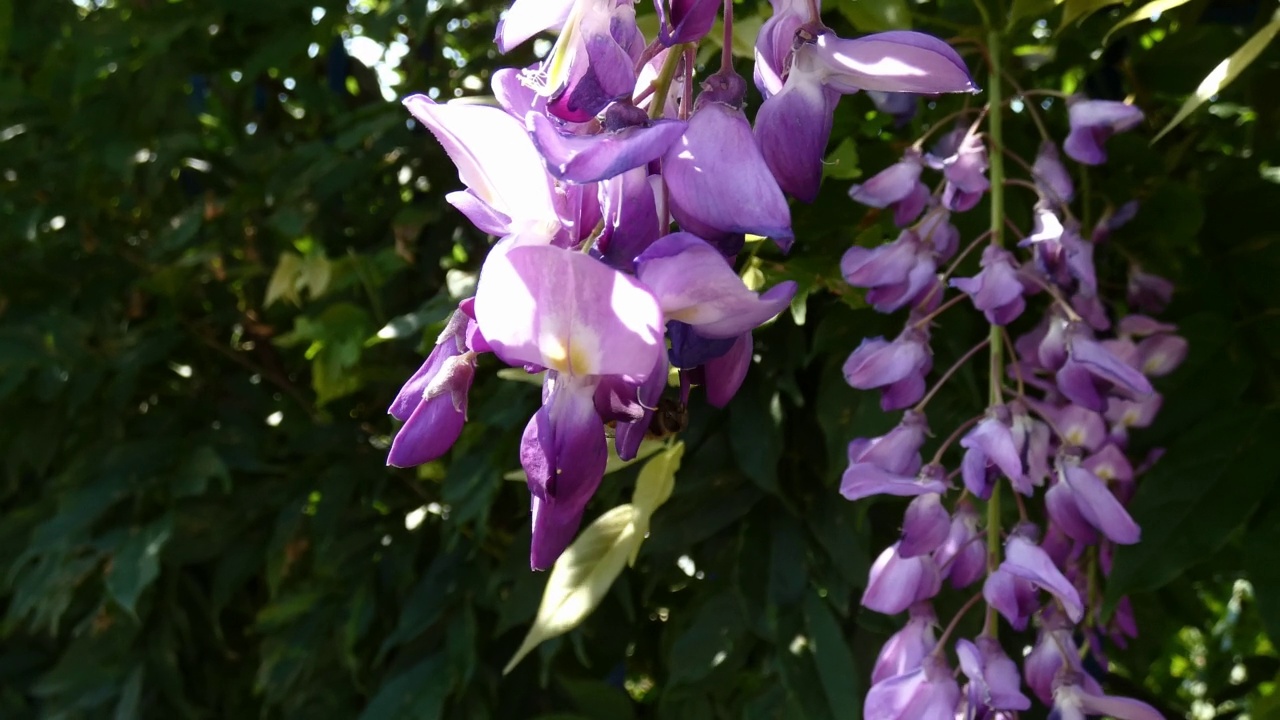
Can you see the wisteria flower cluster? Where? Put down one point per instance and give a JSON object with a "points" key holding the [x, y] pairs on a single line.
{"points": [[621, 199], [1064, 395]]}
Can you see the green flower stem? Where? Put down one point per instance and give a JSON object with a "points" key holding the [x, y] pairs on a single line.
{"points": [[662, 84], [995, 132]]}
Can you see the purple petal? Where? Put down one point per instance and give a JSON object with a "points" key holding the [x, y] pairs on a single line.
{"points": [[907, 648], [993, 675], [773, 47], [591, 158], [898, 451], [630, 211], [687, 20], [896, 61], [1148, 293], [516, 97], [495, 158], [600, 72], [566, 311], [526, 18], [564, 454], [429, 432], [792, 129], [924, 526], [694, 284], [890, 185], [962, 556], [719, 182], [1013, 597], [863, 480], [628, 435], [1106, 366], [877, 363], [1162, 354], [927, 693], [1092, 122], [1100, 507], [1024, 559], [996, 290], [995, 439], [724, 375], [1051, 175], [484, 217], [896, 583], [1064, 510]]}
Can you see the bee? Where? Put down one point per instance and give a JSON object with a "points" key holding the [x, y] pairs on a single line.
{"points": [[669, 417]]}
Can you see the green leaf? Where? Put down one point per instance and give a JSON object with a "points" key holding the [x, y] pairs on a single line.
{"points": [[842, 162], [1023, 9], [1225, 72], [136, 563], [201, 466], [418, 692], [657, 479], [284, 280], [1196, 497], [582, 576], [598, 700], [754, 435], [1146, 12], [876, 15], [130, 696], [836, 668], [714, 632], [1078, 10], [787, 561], [1259, 555]]}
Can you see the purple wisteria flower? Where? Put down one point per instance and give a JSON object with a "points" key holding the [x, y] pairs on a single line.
{"points": [[996, 291], [540, 305], [897, 274], [898, 187], [928, 692], [718, 181], [898, 368], [794, 121], [433, 403], [1092, 123]]}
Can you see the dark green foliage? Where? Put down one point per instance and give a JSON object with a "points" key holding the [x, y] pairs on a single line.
{"points": [[223, 251]]}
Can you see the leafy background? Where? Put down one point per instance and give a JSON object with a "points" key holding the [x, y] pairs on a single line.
{"points": [[224, 246]]}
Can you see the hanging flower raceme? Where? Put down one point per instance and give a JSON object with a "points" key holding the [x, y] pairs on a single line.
{"points": [[794, 122], [1062, 400]]}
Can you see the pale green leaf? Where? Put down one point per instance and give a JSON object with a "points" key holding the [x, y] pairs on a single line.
{"points": [[315, 274], [657, 479], [1078, 10], [1225, 72], [583, 575], [1146, 12], [284, 281]]}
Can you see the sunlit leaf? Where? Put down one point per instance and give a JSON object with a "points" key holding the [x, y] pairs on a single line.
{"points": [[284, 280], [657, 479], [582, 576], [1077, 10], [1146, 12], [1225, 72]]}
